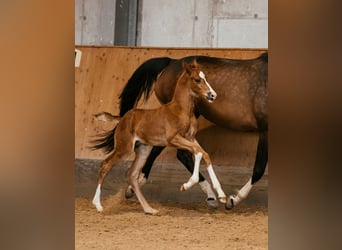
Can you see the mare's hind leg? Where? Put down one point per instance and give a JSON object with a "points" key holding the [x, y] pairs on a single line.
{"points": [[145, 171], [141, 154], [185, 157], [111, 160], [258, 172]]}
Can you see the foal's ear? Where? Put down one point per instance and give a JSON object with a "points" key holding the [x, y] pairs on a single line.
{"points": [[194, 63], [187, 67]]}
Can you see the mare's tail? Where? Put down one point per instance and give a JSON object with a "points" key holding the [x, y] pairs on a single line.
{"points": [[264, 69], [105, 141], [264, 57], [141, 82]]}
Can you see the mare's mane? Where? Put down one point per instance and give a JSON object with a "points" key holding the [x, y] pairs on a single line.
{"points": [[221, 61]]}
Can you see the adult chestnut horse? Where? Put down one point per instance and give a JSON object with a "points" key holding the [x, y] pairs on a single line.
{"points": [[241, 105], [172, 124]]}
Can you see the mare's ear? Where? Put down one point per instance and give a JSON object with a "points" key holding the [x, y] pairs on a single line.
{"points": [[187, 67]]}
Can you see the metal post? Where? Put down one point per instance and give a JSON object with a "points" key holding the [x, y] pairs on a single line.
{"points": [[126, 22]]}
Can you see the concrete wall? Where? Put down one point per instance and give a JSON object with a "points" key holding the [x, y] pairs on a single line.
{"points": [[94, 22], [179, 23], [240, 23], [205, 23]]}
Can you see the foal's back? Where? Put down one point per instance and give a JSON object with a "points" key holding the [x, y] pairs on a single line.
{"points": [[155, 126]]}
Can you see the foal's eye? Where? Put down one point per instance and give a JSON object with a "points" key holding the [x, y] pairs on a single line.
{"points": [[197, 80]]}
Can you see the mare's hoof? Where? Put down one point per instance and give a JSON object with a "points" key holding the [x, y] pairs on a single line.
{"points": [[182, 188], [230, 203], [212, 203], [129, 193]]}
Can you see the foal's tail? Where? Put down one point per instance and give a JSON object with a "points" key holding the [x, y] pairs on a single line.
{"points": [[141, 82], [105, 141]]}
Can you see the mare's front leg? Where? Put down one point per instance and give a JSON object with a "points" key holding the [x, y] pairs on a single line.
{"points": [[141, 154]]}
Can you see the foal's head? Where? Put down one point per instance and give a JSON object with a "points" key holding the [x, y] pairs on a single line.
{"points": [[199, 85]]}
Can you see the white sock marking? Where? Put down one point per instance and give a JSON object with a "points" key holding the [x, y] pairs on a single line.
{"points": [[215, 181], [97, 197], [244, 191], [206, 188], [195, 175]]}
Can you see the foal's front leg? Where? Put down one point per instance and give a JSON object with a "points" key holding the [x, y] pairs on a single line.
{"points": [[196, 149], [216, 184]]}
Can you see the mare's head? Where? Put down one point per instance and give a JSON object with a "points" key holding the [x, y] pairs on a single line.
{"points": [[198, 83]]}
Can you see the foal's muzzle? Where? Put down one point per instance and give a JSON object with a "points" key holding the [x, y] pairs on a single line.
{"points": [[211, 96]]}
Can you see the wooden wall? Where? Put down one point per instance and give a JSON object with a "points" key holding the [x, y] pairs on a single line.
{"points": [[101, 76]]}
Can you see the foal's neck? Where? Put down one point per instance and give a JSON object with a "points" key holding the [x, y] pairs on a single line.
{"points": [[182, 97]]}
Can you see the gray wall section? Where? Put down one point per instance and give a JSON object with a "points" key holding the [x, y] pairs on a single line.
{"points": [[168, 23], [94, 22], [179, 23], [240, 24]]}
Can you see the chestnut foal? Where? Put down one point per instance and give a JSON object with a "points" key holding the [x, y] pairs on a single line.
{"points": [[172, 124]]}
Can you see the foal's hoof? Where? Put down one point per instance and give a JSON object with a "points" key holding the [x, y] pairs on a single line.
{"points": [[129, 192], [98, 206], [182, 188], [230, 203], [151, 212], [223, 199], [212, 203]]}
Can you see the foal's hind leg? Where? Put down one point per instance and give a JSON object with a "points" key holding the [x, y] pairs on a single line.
{"points": [[141, 154], [145, 172], [106, 165]]}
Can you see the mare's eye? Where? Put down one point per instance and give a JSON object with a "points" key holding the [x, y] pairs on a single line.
{"points": [[197, 80]]}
